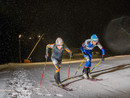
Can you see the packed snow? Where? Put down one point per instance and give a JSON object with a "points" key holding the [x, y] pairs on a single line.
{"points": [[23, 80]]}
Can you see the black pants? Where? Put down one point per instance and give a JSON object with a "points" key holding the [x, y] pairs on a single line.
{"points": [[86, 70]]}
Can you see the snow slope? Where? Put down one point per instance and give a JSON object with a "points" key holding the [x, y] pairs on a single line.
{"points": [[23, 80]]}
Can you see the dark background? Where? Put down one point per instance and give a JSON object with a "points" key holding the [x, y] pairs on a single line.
{"points": [[73, 20]]}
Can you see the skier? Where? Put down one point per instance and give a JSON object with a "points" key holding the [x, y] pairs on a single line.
{"points": [[57, 51], [86, 49]]}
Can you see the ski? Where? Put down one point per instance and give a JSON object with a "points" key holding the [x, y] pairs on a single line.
{"points": [[93, 79], [70, 78], [63, 87]]}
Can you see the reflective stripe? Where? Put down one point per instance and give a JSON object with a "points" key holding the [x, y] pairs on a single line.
{"points": [[50, 45], [67, 50], [57, 70], [56, 67]]}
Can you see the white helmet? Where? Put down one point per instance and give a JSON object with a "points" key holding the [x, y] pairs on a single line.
{"points": [[59, 41]]}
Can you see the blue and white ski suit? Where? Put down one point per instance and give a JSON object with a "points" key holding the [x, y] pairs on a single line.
{"points": [[86, 48]]}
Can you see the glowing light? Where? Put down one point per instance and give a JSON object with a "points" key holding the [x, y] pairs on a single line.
{"points": [[30, 37], [38, 36], [20, 35]]}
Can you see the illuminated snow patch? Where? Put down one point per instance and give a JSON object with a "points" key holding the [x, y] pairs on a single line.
{"points": [[59, 95]]}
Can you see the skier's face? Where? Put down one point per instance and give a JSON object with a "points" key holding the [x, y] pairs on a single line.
{"points": [[59, 46], [94, 42]]}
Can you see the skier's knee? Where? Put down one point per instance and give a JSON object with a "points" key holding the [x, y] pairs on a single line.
{"points": [[87, 58], [55, 62]]}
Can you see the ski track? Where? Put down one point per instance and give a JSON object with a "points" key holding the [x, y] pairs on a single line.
{"points": [[67, 92]]}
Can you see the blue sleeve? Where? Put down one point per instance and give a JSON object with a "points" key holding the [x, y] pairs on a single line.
{"points": [[81, 48], [103, 51]]}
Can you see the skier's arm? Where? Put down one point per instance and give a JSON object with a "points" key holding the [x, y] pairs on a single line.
{"points": [[68, 50], [101, 48], [84, 45], [103, 51], [81, 48], [47, 48]]}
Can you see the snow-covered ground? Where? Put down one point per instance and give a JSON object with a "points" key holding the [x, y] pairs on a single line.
{"points": [[23, 80]]}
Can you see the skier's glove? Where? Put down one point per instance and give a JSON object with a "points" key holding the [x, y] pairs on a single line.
{"points": [[102, 58], [71, 55], [46, 56]]}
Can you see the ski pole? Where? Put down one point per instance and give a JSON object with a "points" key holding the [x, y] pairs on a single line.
{"points": [[96, 66], [78, 68], [69, 68], [43, 71], [75, 73]]}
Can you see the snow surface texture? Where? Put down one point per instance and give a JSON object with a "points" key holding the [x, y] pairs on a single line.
{"points": [[21, 85], [24, 82]]}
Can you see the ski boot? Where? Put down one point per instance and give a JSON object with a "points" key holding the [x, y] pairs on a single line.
{"points": [[86, 73], [57, 79], [87, 76]]}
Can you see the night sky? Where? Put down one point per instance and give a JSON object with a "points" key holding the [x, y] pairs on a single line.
{"points": [[73, 20]]}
